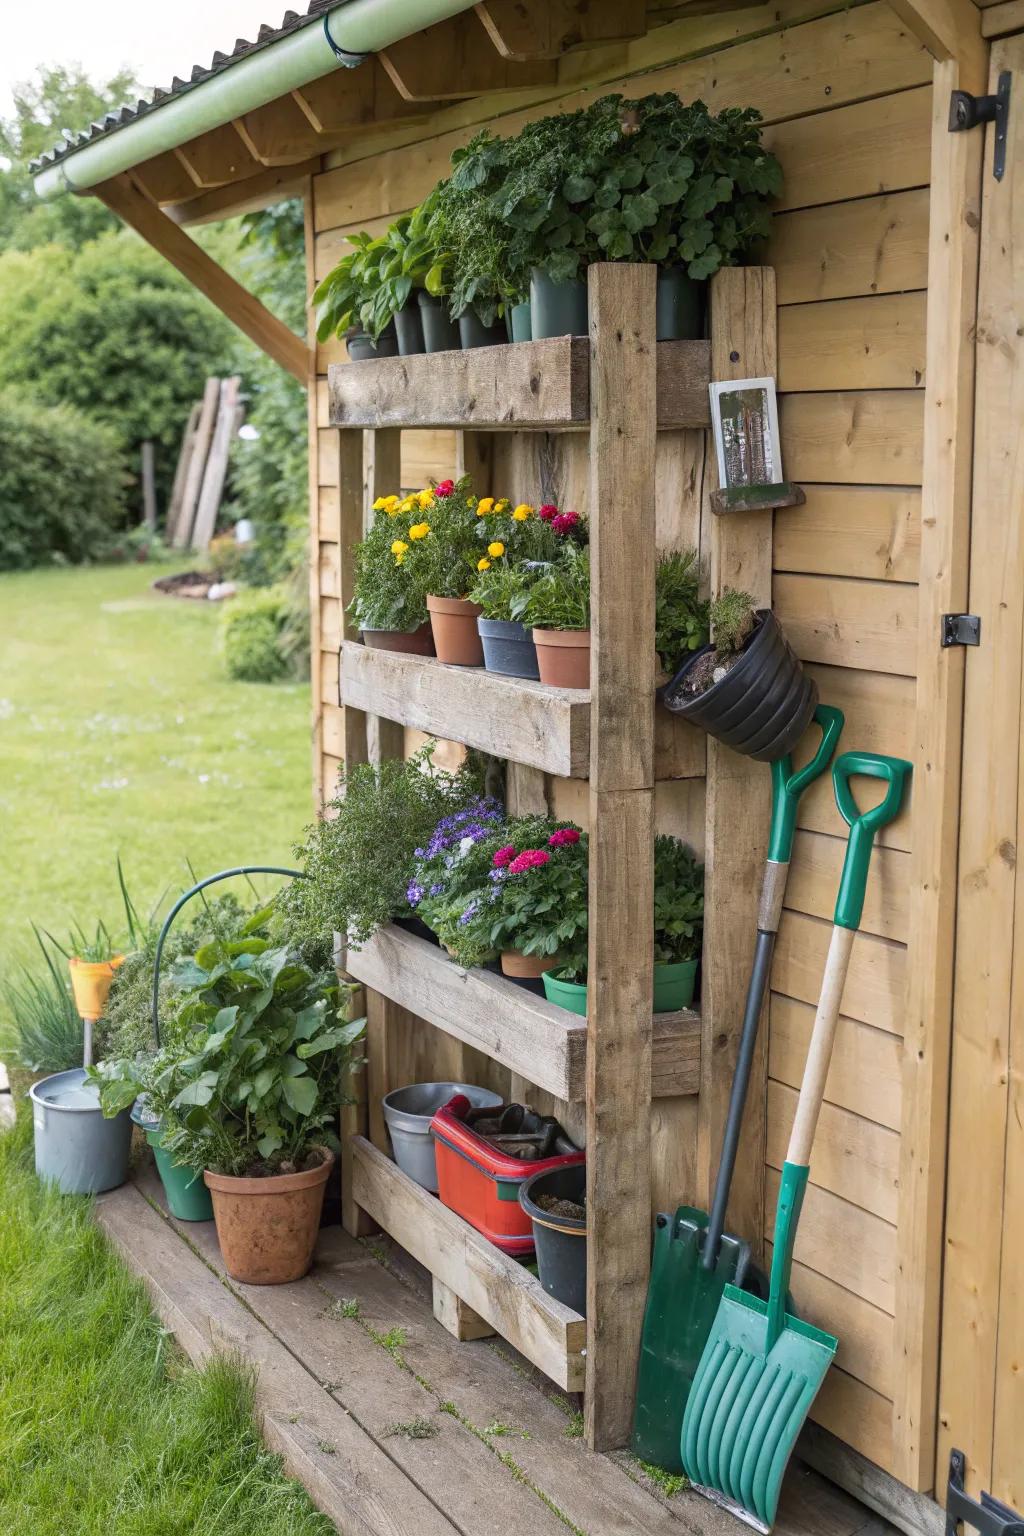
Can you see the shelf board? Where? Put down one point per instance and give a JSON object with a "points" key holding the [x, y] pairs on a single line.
{"points": [[524, 384], [509, 717], [512, 1300], [534, 1038]]}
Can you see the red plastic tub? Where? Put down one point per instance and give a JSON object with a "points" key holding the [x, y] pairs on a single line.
{"points": [[481, 1183]]}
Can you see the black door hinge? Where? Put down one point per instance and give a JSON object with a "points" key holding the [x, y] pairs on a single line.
{"points": [[967, 111], [960, 629], [986, 1514]]}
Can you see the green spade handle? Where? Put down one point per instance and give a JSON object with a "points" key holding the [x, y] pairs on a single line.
{"points": [[863, 825], [787, 786]]}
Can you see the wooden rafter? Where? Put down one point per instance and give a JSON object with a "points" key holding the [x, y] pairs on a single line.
{"points": [[270, 185], [349, 99], [279, 133], [456, 58], [217, 158], [165, 179], [542, 29], [950, 29], [127, 199]]}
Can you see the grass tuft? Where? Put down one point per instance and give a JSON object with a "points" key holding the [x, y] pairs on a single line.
{"points": [[418, 1428]]}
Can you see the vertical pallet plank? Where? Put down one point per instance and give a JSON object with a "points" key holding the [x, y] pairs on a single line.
{"points": [[743, 345], [621, 956], [382, 458], [982, 1273], [197, 464], [188, 438], [316, 660], [954, 216]]}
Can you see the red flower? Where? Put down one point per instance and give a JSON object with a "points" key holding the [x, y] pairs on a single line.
{"points": [[528, 859], [565, 521], [547, 512], [445, 488], [504, 856], [563, 836]]}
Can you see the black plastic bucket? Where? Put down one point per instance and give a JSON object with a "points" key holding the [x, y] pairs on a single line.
{"points": [[360, 346], [560, 1241], [439, 330], [764, 703], [508, 648], [409, 328], [679, 311], [473, 332], [557, 309]]}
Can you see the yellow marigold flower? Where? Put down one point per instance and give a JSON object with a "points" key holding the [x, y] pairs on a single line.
{"points": [[496, 549], [399, 547], [483, 564], [410, 504], [502, 505], [426, 499], [399, 559], [419, 530], [484, 505], [522, 512], [380, 503]]}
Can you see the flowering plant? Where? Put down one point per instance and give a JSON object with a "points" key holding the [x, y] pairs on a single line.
{"points": [[388, 593], [454, 861], [560, 596], [535, 896], [452, 542]]}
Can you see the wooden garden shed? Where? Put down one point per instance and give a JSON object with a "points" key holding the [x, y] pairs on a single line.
{"points": [[890, 307]]}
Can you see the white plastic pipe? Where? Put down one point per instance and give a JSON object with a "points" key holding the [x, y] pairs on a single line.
{"points": [[359, 27]]}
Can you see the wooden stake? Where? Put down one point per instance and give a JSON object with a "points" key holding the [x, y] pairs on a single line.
{"points": [[197, 464], [148, 484], [217, 464], [188, 438]]}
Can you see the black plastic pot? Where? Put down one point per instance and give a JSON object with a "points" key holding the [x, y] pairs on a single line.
{"points": [[679, 307], [508, 648], [409, 328], [473, 332], [440, 333], [560, 1241], [557, 309], [360, 347], [764, 703], [518, 321], [416, 926]]}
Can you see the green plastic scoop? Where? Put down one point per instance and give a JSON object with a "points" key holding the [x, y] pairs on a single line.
{"points": [[694, 1258], [762, 1367]]}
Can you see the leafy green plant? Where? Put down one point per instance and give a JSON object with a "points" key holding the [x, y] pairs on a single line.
{"points": [[678, 902], [93, 947], [501, 590], [473, 267], [360, 860], [40, 1030], [560, 596], [680, 613], [732, 620]]}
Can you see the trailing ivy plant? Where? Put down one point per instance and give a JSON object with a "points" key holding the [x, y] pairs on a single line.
{"points": [[680, 613]]}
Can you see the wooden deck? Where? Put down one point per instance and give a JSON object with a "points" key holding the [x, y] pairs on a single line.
{"points": [[395, 1427]]}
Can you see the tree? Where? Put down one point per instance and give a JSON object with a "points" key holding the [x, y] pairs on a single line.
{"points": [[59, 97]]}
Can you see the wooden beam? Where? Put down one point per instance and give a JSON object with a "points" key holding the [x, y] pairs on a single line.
{"points": [[217, 158], [125, 198], [542, 29], [456, 58], [1000, 20], [950, 30], [271, 184], [348, 99], [621, 955], [955, 212], [279, 133], [165, 179]]}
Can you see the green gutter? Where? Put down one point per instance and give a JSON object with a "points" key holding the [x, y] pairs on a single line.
{"points": [[356, 29]]}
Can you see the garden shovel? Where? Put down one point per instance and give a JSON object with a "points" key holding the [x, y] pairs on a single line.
{"points": [[762, 1367], [694, 1258]]}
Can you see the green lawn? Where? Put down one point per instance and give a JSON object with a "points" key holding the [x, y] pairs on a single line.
{"points": [[120, 733], [106, 1430]]}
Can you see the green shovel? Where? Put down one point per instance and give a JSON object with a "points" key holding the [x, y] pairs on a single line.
{"points": [[694, 1258], [762, 1367]]}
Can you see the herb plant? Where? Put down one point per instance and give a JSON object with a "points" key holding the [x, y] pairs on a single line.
{"points": [[560, 596], [680, 613], [732, 621], [678, 902], [92, 947], [355, 295], [501, 590]]}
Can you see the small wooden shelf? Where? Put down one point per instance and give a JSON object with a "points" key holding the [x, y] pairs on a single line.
{"points": [[524, 384], [508, 1296], [510, 717], [542, 1042]]}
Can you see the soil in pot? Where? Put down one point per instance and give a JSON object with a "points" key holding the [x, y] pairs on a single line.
{"points": [[473, 332], [563, 657], [412, 642], [557, 309], [267, 1226], [555, 1202], [440, 333], [409, 328], [679, 306], [508, 648], [456, 637]]}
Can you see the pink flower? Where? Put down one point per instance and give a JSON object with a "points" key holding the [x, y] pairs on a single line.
{"points": [[445, 488], [562, 837], [565, 521], [528, 859], [547, 512], [504, 856]]}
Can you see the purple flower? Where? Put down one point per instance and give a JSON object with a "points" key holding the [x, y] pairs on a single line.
{"points": [[497, 874], [436, 888], [414, 893], [469, 914]]}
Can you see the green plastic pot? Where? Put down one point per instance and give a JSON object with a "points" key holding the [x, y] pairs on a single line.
{"points": [[679, 306], [520, 327], [673, 988], [187, 1196], [557, 309]]}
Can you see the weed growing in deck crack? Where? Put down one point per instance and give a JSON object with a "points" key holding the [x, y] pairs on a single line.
{"points": [[670, 1483], [418, 1428], [343, 1308], [328, 1447], [394, 1341]]}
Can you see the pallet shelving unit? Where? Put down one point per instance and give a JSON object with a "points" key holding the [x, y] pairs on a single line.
{"points": [[620, 388]]}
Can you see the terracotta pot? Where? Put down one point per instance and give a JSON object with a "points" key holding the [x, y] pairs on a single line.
{"points": [[528, 967], [456, 637], [267, 1228], [563, 656], [90, 982], [412, 642]]}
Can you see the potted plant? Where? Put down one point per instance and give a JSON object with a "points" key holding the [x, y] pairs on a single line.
{"points": [[405, 265], [500, 591], [355, 300], [747, 687], [534, 910], [680, 613], [483, 290], [92, 962], [556, 607], [389, 604], [453, 863], [444, 561]]}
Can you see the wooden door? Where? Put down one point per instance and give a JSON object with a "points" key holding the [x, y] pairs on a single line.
{"points": [[981, 1389]]}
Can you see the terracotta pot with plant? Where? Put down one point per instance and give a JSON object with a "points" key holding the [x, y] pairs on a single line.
{"points": [[390, 604], [557, 609], [747, 687], [444, 562]]}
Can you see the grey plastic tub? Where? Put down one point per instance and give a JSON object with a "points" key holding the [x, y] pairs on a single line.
{"points": [[77, 1149], [408, 1113], [508, 648]]}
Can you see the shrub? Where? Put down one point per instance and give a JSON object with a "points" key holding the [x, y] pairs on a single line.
{"points": [[253, 627], [62, 483]]}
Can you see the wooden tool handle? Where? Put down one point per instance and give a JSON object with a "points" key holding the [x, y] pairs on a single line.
{"points": [[819, 1053]]}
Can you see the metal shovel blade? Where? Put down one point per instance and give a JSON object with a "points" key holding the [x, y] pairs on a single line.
{"points": [[748, 1404]]}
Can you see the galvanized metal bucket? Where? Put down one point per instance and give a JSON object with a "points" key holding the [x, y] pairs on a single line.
{"points": [[76, 1148]]}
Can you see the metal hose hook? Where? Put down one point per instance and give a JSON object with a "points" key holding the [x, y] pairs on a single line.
{"points": [[225, 874]]}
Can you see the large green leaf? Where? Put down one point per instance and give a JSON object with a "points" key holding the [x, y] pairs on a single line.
{"points": [[199, 1092], [300, 1093]]}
